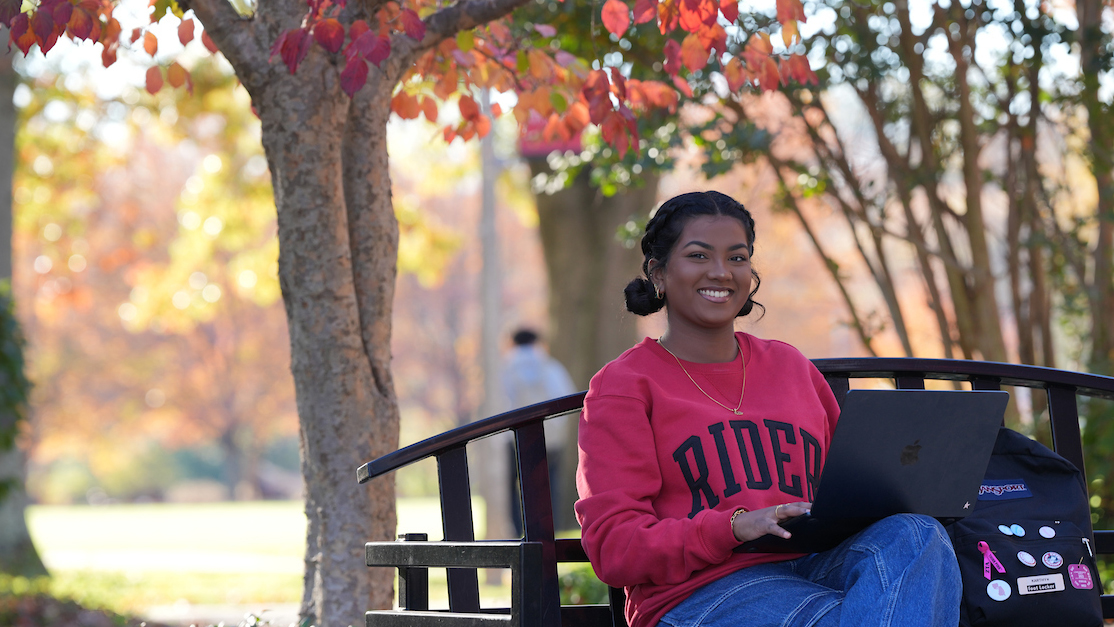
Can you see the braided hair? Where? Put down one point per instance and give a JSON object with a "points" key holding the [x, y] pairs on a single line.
{"points": [[662, 232]]}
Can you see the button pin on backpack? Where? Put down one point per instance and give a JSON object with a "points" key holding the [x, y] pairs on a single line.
{"points": [[1052, 559], [998, 590]]}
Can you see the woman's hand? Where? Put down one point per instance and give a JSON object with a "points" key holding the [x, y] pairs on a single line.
{"points": [[751, 525]]}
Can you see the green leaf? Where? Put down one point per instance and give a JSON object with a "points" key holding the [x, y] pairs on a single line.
{"points": [[162, 6], [465, 40], [558, 101]]}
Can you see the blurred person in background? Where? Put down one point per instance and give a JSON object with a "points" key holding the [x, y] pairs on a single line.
{"points": [[530, 375]]}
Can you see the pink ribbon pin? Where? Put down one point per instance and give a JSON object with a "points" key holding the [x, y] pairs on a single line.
{"points": [[989, 558]]}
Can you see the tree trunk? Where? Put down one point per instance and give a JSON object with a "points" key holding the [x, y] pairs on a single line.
{"points": [[17, 553], [338, 247], [1092, 59], [588, 269]]}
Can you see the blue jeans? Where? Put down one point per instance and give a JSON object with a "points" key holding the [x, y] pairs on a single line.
{"points": [[899, 571]]}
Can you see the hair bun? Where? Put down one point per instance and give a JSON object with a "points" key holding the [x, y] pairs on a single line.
{"points": [[642, 300]]}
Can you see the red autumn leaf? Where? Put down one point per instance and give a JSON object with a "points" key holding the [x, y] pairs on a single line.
{"points": [[111, 32], [683, 86], [597, 92], [80, 24], [496, 110], [618, 84], [60, 13], [150, 43], [292, 46], [329, 34], [730, 10], [714, 38], [154, 79], [577, 118], [42, 24], [136, 34], [697, 14], [354, 75], [358, 28], [555, 129], [766, 74], [614, 131], [693, 53], [176, 75], [758, 49], [108, 56], [616, 17], [449, 133], [735, 74], [21, 33], [668, 15], [790, 10], [469, 110], [796, 68], [429, 109], [405, 105], [645, 10], [672, 53], [483, 126], [210, 45], [185, 31], [9, 9], [371, 46], [412, 25], [546, 30], [653, 94]]}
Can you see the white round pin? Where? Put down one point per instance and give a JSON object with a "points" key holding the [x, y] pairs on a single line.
{"points": [[1005, 529], [999, 590], [1017, 530], [1026, 558], [1047, 532], [1052, 559]]}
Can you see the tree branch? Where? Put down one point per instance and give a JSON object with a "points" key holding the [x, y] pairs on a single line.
{"points": [[234, 35], [443, 24]]}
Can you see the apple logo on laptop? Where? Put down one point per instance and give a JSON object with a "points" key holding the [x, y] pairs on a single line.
{"points": [[909, 453]]}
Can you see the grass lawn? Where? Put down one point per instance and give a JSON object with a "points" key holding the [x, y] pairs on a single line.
{"points": [[131, 557]]}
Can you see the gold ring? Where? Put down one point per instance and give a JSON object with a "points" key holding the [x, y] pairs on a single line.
{"points": [[777, 511]]}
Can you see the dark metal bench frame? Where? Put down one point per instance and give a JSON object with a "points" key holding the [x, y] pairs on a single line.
{"points": [[533, 560]]}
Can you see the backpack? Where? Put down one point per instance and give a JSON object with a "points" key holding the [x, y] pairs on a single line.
{"points": [[1025, 552]]}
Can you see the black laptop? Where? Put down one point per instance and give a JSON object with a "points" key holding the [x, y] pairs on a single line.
{"points": [[896, 451]]}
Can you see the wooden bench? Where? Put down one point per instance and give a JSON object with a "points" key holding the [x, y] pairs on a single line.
{"points": [[533, 559]]}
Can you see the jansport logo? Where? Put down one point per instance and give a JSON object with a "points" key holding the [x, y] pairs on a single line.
{"points": [[1003, 489]]}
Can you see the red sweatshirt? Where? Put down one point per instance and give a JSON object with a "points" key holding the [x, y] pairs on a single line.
{"points": [[663, 467]]}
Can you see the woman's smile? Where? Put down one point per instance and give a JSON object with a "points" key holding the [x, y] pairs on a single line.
{"points": [[707, 277]]}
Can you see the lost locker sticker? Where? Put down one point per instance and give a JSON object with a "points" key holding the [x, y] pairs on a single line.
{"points": [[1040, 584]]}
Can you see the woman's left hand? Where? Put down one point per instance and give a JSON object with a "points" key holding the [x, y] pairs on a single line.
{"points": [[766, 521]]}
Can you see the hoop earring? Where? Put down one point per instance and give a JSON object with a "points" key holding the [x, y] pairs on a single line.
{"points": [[658, 293]]}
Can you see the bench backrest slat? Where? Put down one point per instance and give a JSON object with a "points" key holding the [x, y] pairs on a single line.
{"points": [[456, 522], [1063, 413], [537, 513]]}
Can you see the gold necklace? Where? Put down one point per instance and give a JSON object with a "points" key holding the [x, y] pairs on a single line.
{"points": [[737, 411]]}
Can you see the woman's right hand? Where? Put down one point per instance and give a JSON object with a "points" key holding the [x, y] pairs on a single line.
{"points": [[752, 525]]}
